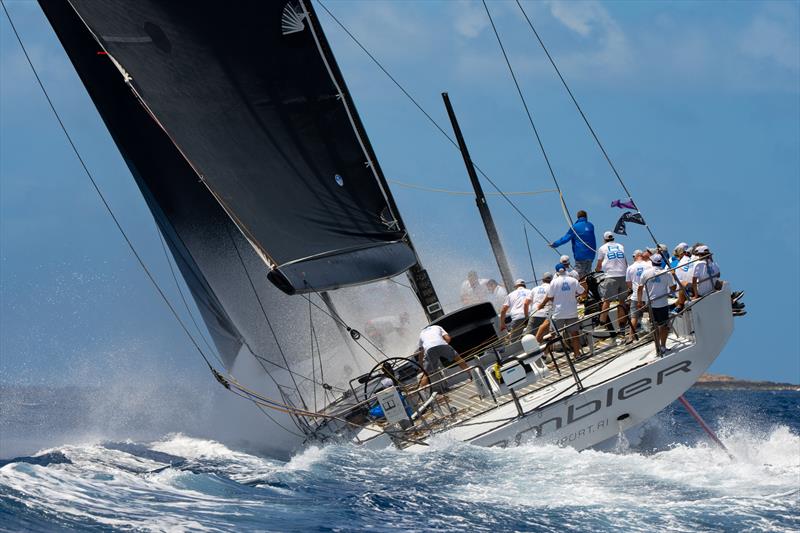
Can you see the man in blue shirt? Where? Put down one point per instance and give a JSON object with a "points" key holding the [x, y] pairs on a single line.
{"points": [[584, 244]]}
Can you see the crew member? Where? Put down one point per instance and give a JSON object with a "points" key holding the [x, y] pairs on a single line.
{"points": [[563, 292], [581, 233], [537, 322], [514, 305], [570, 271], [655, 285], [474, 290], [632, 278], [497, 294], [612, 262], [705, 277], [434, 345]]}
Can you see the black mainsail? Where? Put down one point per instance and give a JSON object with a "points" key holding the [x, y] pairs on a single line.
{"points": [[251, 97], [238, 128]]}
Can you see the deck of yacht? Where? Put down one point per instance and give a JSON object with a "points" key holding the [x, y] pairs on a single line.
{"points": [[462, 403]]}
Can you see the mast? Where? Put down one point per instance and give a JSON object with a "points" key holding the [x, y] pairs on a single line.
{"points": [[480, 200]]}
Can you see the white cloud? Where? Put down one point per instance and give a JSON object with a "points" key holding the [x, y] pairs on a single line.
{"points": [[469, 19], [606, 46], [772, 39]]}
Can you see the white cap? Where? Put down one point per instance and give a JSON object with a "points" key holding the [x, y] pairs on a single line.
{"points": [[682, 246], [637, 252], [656, 259], [519, 282], [564, 259], [702, 249], [547, 275], [608, 236]]}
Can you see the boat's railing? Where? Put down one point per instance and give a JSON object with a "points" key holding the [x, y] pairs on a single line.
{"points": [[679, 288], [452, 374]]}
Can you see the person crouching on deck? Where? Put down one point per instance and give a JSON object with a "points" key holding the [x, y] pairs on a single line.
{"points": [[434, 345]]}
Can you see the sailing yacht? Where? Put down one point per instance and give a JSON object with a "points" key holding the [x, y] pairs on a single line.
{"points": [[239, 130]]}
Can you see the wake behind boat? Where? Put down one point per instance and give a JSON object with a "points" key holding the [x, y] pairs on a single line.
{"points": [[242, 136]]}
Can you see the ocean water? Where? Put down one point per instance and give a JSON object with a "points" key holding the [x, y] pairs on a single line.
{"points": [[671, 480]]}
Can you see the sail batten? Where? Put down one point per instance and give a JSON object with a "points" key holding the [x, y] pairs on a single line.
{"points": [[261, 113]]}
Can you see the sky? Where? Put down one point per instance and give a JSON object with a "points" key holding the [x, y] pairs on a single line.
{"points": [[697, 103]]}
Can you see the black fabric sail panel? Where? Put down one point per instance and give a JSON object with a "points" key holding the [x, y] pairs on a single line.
{"points": [[245, 94], [192, 223]]}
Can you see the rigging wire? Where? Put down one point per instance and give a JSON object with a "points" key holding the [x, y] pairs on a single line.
{"points": [[183, 299], [467, 193], [432, 120], [525, 105], [350, 330], [266, 318], [103, 199], [225, 380], [580, 110]]}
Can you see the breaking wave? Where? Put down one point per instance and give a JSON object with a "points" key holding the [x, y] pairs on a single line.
{"points": [[185, 483]]}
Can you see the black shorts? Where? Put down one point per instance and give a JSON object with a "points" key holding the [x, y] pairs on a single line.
{"points": [[661, 315], [432, 360], [534, 322]]}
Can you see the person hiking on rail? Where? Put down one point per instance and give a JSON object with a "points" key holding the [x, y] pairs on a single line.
{"points": [[584, 245]]}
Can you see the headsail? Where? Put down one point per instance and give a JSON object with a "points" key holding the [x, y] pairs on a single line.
{"points": [[254, 101]]}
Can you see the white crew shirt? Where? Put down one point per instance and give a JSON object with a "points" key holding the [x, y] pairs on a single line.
{"points": [[475, 295], [432, 336], [683, 270], [707, 274], [498, 297], [614, 262], [516, 303], [634, 276], [656, 282], [537, 296], [565, 290]]}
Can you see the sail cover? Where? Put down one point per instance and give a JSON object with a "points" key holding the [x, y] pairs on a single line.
{"points": [[251, 97]]}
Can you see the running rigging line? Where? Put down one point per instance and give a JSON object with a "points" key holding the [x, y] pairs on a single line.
{"points": [[580, 110], [525, 105], [103, 198], [432, 120], [228, 381]]}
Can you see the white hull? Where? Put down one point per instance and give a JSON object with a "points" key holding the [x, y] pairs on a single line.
{"points": [[621, 394]]}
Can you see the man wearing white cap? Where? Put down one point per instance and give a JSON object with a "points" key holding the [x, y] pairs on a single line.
{"points": [[612, 262], [563, 292], [705, 276], [537, 322], [677, 254], [514, 305], [570, 271], [654, 288], [632, 278]]}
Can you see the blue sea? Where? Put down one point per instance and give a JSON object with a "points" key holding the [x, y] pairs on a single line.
{"points": [[670, 480]]}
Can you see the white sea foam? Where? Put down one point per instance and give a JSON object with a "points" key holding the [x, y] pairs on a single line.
{"points": [[184, 483]]}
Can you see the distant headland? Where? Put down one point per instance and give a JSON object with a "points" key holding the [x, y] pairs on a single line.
{"points": [[722, 382]]}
